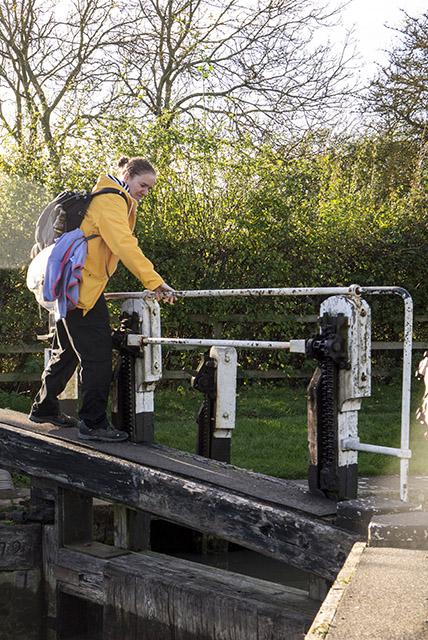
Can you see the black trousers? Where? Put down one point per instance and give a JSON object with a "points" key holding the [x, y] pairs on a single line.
{"points": [[84, 339]]}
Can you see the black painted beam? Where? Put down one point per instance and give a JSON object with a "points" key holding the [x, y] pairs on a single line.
{"points": [[288, 535]]}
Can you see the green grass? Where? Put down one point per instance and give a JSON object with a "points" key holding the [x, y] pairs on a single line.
{"points": [[270, 434], [15, 401]]}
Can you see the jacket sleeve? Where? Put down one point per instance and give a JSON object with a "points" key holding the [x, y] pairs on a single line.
{"points": [[112, 223]]}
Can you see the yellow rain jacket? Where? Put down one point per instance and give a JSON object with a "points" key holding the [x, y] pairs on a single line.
{"points": [[109, 218]]}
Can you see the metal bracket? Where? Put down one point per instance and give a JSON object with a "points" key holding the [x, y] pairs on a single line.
{"points": [[227, 360], [149, 369]]}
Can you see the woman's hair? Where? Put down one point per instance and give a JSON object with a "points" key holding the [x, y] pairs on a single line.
{"points": [[135, 166]]}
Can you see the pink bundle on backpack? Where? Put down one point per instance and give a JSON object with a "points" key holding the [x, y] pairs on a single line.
{"points": [[64, 271]]}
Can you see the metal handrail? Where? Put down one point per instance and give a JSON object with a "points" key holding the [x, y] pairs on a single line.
{"points": [[353, 290], [406, 379]]}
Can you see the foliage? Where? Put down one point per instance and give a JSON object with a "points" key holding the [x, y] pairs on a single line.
{"points": [[21, 200], [237, 216], [228, 214]]}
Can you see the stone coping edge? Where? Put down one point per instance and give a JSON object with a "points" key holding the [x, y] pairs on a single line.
{"points": [[327, 612]]}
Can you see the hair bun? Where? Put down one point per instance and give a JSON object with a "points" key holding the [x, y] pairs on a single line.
{"points": [[135, 166], [122, 162]]}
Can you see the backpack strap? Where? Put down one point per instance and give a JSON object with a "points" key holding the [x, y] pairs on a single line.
{"points": [[110, 190], [99, 193]]}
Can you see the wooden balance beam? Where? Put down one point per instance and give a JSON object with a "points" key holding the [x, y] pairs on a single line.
{"points": [[273, 517]]}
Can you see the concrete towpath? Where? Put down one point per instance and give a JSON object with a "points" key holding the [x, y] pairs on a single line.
{"points": [[380, 594]]}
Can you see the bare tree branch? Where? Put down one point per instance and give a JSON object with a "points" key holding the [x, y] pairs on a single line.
{"points": [[399, 95], [54, 69], [234, 57]]}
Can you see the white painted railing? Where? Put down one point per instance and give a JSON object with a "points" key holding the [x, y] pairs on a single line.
{"points": [[354, 291]]}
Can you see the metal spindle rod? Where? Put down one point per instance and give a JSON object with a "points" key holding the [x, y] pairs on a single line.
{"points": [[137, 340]]}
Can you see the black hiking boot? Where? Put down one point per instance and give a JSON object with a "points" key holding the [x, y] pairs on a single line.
{"points": [[105, 434], [60, 420]]}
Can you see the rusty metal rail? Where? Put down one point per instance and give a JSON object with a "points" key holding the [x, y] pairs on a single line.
{"points": [[255, 293]]}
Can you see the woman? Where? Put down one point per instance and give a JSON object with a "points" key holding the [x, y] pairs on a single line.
{"points": [[84, 336]]}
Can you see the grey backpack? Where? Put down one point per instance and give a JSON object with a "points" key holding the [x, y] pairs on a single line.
{"points": [[63, 214]]}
